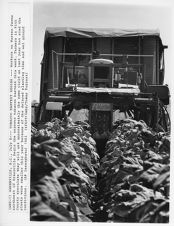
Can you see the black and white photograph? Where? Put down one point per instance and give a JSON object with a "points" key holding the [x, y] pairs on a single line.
{"points": [[100, 138], [90, 112]]}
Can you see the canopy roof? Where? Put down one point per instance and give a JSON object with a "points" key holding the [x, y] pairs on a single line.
{"points": [[97, 32]]}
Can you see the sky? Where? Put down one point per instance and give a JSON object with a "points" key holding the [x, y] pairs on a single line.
{"points": [[99, 14]]}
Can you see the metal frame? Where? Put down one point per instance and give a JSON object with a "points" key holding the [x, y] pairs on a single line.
{"points": [[90, 55], [91, 112]]}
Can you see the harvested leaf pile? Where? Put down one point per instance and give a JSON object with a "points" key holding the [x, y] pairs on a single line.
{"points": [[134, 175], [63, 171]]}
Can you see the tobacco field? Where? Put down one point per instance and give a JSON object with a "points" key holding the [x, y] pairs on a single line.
{"points": [[70, 182]]}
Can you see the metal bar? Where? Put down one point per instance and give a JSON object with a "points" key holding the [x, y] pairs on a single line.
{"points": [[72, 54], [127, 65], [103, 54], [57, 68], [62, 75], [139, 55], [92, 42], [139, 51], [112, 48], [52, 67], [156, 65], [60, 98], [141, 99]]}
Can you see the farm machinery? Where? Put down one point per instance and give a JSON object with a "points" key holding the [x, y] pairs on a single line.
{"points": [[110, 73]]}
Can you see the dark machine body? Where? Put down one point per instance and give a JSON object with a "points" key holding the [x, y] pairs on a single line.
{"points": [[104, 71]]}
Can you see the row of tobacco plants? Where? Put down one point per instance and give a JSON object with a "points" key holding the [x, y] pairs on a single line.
{"points": [[70, 183], [134, 175], [64, 162]]}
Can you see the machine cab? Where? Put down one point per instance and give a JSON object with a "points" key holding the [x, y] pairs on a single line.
{"points": [[101, 73]]}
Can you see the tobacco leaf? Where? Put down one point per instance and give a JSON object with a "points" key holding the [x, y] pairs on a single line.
{"points": [[40, 166], [40, 211]]}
